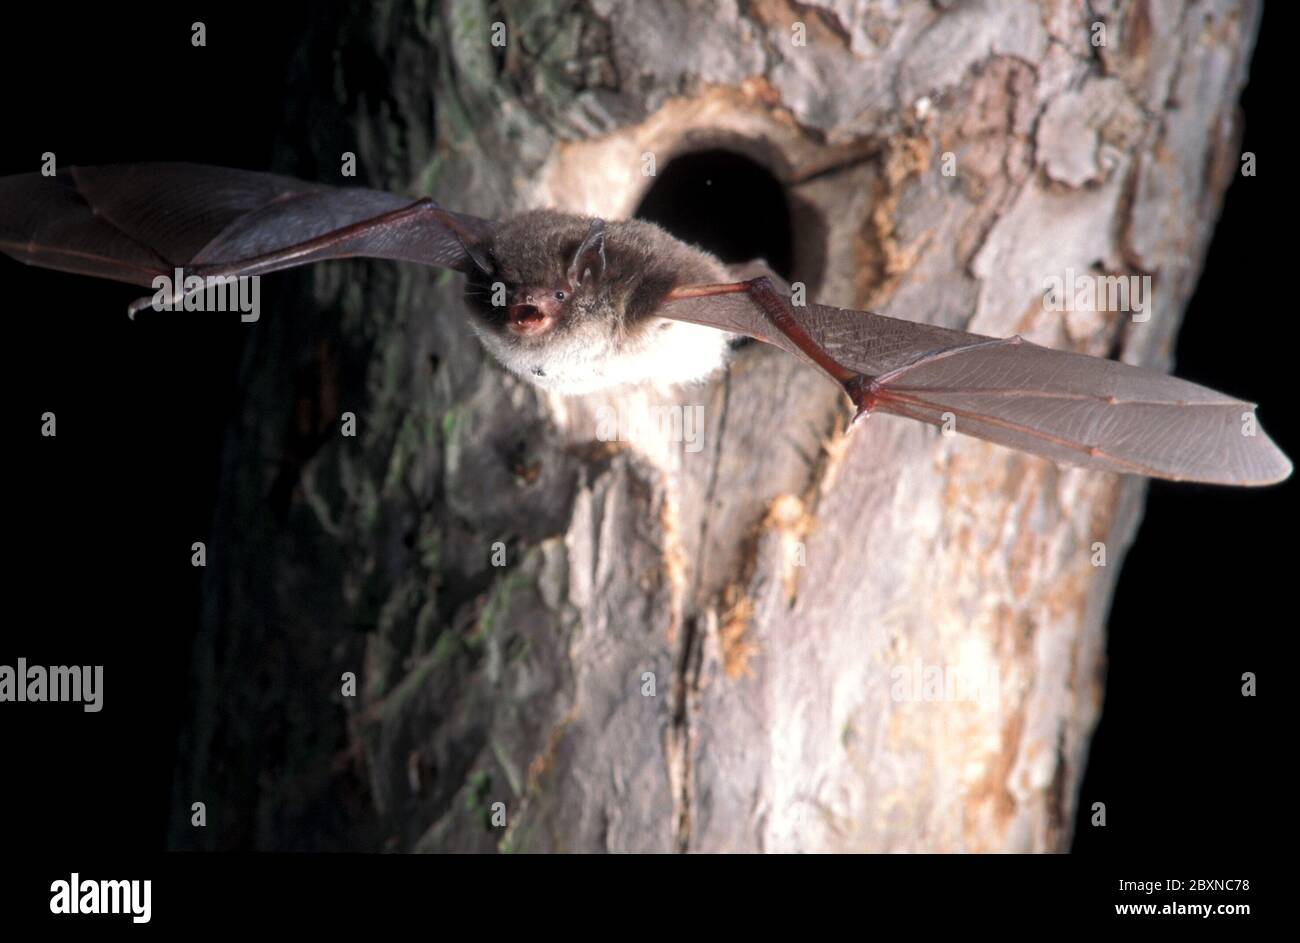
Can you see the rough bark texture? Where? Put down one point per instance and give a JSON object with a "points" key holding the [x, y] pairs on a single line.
{"points": [[775, 583]]}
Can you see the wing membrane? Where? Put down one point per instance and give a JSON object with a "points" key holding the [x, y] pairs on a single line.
{"points": [[1069, 407], [133, 222]]}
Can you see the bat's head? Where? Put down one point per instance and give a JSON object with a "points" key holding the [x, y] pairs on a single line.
{"points": [[545, 278], [568, 304], [544, 306]]}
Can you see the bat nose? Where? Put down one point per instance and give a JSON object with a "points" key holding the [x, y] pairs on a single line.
{"points": [[528, 320]]}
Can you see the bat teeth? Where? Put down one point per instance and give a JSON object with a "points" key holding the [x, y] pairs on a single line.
{"points": [[529, 320]]}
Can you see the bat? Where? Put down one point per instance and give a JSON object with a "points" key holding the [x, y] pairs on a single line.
{"points": [[576, 304]]}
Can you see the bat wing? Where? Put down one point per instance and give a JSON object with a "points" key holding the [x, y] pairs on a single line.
{"points": [[134, 222], [1072, 408]]}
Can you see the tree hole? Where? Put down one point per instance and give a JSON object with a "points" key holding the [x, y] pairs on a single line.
{"points": [[724, 203]]}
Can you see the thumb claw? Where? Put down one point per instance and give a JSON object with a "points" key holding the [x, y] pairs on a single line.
{"points": [[137, 306], [862, 392], [862, 412]]}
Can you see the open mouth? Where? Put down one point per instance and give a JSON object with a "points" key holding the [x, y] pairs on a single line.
{"points": [[528, 320]]}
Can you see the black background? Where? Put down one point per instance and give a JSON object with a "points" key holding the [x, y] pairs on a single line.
{"points": [[101, 518]]}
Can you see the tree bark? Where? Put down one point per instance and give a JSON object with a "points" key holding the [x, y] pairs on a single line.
{"points": [[795, 593]]}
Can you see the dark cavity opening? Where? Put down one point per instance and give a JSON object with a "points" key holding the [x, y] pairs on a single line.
{"points": [[725, 203]]}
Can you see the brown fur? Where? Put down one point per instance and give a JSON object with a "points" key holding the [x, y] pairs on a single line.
{"points": [[642, 264], [608, 327]]}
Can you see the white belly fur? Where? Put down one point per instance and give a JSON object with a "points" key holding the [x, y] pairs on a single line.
{"points": [[673, 354]]}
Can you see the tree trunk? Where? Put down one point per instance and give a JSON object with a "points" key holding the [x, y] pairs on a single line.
{"points": [[765, 644]]}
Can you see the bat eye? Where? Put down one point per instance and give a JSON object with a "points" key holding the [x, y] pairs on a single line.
{"points": [[560, 296]]}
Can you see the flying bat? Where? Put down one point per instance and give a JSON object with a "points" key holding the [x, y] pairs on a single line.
{"points": [[576, 304]]}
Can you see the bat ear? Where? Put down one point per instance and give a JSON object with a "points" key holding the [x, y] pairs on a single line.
{"points": [[590, 256], [478, 255]]}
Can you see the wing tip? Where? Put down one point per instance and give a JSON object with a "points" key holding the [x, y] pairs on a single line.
{"points": [[1263, 464], [1274, 465], [1281, 463]]}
